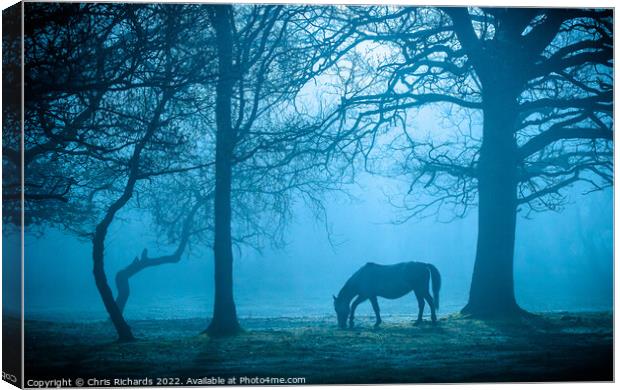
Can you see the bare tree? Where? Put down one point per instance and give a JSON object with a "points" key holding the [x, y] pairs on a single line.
{"points": [[54, 75], [266, 147], [130, 133], [540, 83], [11, 118], [129, 125]]}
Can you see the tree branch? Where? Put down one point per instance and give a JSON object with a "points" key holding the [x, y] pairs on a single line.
{"points": [[555, 134]]}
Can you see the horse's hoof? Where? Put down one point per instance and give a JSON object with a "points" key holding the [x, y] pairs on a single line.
{"points": [[418, 322]]}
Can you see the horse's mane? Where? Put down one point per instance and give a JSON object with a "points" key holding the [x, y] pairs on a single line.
{"points": [[346, 291]]}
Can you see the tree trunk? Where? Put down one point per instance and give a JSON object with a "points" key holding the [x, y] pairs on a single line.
{"points": [[122, 328], [101, 231], [224, 321], [492, 287]]}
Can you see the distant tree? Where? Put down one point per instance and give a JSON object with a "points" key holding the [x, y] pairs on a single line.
{"points": [[539, 81]]}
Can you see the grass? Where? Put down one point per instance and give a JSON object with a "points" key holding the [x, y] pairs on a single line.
{"points": [[549, 347]]}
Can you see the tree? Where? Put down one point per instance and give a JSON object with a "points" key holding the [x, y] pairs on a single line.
{"points": [[224, 312], [541, 81], [133, 91], [266, 147], [11, 118], [126, 123], [161, 82], [52, 74]]}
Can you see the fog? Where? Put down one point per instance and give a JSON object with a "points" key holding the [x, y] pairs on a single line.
{"points": [[563, 261]]}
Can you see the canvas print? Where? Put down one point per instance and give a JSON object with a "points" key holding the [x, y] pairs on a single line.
{"points": [[251, 194]]}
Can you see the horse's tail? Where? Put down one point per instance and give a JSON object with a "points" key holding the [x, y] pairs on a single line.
{"points": [[436, 280]]}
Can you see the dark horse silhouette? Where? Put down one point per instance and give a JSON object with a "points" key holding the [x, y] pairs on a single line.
{"points": [[388, 281]]}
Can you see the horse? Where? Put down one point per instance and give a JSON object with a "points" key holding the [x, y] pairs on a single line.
{"points": [[391, 282]]}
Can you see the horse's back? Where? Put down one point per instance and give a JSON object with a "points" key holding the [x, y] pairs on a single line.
{"points": [[407, 268], [390, 281]]}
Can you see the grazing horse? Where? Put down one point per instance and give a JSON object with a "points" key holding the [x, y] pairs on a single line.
{"points": [[391, 282]]}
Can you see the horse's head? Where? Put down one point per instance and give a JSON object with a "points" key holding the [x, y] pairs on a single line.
{"points": [[342, 311]]}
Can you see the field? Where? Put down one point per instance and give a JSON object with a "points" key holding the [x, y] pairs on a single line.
{"points": [[550, 347]]}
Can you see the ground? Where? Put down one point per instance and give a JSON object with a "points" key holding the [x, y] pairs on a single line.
{"points": [[550, 347]]}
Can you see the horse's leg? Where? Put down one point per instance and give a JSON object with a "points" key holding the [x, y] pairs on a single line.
{"points": [[420, 299], [354, 305], [431, 303], [375, 307]]}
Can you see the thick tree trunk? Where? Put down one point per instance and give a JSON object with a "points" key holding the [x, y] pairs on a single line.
{"points": [[224, 321], [492, 287]]}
